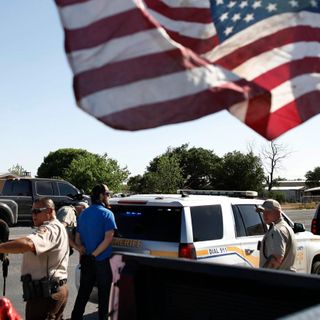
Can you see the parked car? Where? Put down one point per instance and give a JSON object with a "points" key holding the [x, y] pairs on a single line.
{"points": [[23, 191]]}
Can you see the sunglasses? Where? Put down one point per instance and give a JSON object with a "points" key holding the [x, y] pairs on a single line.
{"points": [[107, 193], [38, 210]]}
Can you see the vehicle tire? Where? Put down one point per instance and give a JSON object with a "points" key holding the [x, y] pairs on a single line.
{"points": [[4, 231], [316, 268], [4, 217]]}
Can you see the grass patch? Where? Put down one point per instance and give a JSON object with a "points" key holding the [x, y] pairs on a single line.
{"points": [[298, 205]]}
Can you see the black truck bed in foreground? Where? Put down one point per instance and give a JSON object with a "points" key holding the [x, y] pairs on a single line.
{"points": [[158, 288]]}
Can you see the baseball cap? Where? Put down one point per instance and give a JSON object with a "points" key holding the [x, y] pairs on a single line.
{"points": [[82, 203], [269, 204]]}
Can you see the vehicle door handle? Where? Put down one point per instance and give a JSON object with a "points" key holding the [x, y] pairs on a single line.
{"points": [[248, 251]]}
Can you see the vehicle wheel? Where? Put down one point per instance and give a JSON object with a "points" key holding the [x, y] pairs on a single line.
{"points": [[4, 231], [316, 268], [4, 217]]}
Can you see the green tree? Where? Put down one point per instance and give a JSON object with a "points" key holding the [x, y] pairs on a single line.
{"points": [[56, 162], [198, 165], [83, 169], [199, 168], [238, 171], [167, 177], [17, 170], [136, 184], [313, 178]]}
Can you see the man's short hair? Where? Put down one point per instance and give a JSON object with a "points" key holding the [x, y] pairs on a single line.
{"points": [[269, 205], [46, 202]]}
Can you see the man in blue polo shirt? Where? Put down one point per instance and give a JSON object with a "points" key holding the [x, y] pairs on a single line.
{"points": [[95, 229]]}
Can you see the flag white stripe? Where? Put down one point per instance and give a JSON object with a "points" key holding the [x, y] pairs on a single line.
{"points": [[293, 89], [253, 67], [239, 110], [119, 49], [265, 28], [187, 3], [83, 14], [186, 28], [155, 90]]}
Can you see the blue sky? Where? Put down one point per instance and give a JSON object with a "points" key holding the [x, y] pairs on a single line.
{"points": [[39, 114]]}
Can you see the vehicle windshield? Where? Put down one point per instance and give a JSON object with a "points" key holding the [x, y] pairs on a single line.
{"points": [[148, 222]]}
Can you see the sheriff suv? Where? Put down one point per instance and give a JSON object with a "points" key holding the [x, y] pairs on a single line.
{"points": [[209, 228]]}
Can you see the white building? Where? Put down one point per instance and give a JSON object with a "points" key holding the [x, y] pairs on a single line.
{"points": [[292, 190]]}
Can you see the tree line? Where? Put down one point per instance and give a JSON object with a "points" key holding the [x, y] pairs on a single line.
{"points": [[182, 167]]}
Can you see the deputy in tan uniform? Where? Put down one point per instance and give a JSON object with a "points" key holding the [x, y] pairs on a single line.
{"points": [[68, 216], [45, 263], [278, 248]]}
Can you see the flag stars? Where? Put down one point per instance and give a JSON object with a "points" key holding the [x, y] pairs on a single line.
{"points": [[232, 4], [294, 3], [272, 7], [236, 17], [228, 30], [224, 16], [243, 4], [249, 17], [256, 4], [314, 3], [219, 2]]}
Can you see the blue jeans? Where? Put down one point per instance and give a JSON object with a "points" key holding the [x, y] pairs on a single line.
{"points": [[93, 272]]}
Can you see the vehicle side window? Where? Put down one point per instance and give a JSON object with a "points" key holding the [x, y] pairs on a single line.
{"points": [[251, 219], [66, 190], [18, 188], [44, 188], [206, 222], [240, 229]]}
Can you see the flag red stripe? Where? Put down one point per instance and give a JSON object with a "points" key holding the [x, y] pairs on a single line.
{"points": [[135, 69], [64, 3], [190, 14], [276, 76], [199, 46], [173, 111], [92, 36], [105, 29], [276, 40], [287, 117]]}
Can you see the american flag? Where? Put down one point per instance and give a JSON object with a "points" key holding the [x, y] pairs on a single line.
{"points": [[275, 44], [141, 64]]}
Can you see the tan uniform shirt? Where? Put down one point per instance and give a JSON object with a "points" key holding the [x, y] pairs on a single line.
{"points": [[67, 214], [279, 241], [52, 252]]}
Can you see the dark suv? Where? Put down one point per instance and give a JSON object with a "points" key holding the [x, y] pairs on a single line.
{"points": [[24, 190]]}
